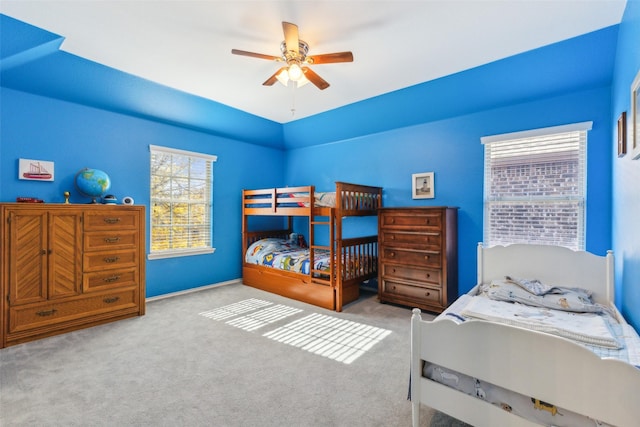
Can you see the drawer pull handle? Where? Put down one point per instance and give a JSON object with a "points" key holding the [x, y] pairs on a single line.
{"points": [[428, 275], [393, 237], [112, 259], [427, 293], [111, 300], [111, 239], [392, 254], [426, 257], [111, 279], [46, 312], [112, 220]]}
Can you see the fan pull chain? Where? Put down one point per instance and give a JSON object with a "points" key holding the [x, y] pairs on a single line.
{"points": [[294, 85]]}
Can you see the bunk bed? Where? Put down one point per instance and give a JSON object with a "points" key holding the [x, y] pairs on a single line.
{"points": [[331, 274], [490, 370]]}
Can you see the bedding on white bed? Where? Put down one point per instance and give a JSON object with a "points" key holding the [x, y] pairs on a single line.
{"points": [[586, 328], [627, 348]]}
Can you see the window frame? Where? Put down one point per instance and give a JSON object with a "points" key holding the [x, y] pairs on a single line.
{"points": [[171, 253], [579, 199]]}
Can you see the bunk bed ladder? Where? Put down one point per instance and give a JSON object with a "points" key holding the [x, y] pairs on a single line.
{"points": [[313, 247]]}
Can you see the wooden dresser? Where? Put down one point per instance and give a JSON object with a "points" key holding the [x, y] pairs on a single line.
{"points": [[66, 267], [418, 257]]}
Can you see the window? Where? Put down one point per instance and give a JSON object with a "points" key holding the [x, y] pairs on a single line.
{"points": [[181, 202], [535, 187]]}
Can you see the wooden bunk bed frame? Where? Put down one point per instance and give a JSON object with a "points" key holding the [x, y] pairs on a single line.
{"points": [[532, 363], [356, 259]]}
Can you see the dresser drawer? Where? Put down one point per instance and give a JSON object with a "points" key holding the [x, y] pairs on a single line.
{"points": [[393, 271], [408, 257], [23, 318], [100, 240], [406, 239], [109, 279], [415, 292], [412, 220], [99, 261], [113, 219]]}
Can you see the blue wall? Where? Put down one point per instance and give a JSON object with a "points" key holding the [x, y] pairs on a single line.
{"points": [[74, 136], [626, 172], [451, 149]]}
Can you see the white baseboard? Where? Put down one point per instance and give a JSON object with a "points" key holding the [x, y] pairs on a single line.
{"points": [[192, 290]]}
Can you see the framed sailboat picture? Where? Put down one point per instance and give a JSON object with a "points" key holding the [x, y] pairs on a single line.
{"points": [[36, 170]]}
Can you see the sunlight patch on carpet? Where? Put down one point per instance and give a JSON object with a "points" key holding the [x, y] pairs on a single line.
{"points": [[327, 336], [265, 316], [251, 314], [235, 309]]}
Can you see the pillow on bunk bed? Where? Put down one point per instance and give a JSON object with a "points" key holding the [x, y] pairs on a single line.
{"points": [[327, 200], [554, 297]]}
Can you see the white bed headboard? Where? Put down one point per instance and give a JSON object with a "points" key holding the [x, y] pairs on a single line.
{"points": [[552, 265]]}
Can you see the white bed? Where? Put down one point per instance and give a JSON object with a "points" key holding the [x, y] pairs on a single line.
{"points": [[536, 364]]}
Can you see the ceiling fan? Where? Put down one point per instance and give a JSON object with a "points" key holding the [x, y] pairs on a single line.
{"points": [[294, 54]]}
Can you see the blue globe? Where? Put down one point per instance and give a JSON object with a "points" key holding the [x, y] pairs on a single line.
{"points": [[92, 183]]}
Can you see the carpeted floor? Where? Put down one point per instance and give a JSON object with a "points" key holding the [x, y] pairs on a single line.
{"points": [[442, 420], [284, 363]]}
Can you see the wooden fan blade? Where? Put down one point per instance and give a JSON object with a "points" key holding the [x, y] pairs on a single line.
{"points": [[314, 78], [271, 80], [291, 39], [329, 58], [255, 55]]}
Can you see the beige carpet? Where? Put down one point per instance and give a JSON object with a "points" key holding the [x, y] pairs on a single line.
{"points": [[176, 366]]}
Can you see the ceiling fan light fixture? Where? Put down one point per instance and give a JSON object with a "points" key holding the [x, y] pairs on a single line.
{"points": [[295, 72], [283, 78]]}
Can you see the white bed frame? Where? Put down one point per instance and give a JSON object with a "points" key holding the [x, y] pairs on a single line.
{"points": [[550, 368]]}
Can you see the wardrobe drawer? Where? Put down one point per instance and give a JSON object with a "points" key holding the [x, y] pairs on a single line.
{"points": [[411, 220], [408, 257], [99, 261], [405, 239], [109, 279], [23, 318], [393, 271], [113, 219], [101, 240], [416, 292]]}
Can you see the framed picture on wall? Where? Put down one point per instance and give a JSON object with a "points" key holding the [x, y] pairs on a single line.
{"points": [[635, 117], [423, 185], [37, 170], [622, 134]]}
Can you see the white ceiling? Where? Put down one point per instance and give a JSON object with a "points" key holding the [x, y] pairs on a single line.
{"points": [[187, 45]]}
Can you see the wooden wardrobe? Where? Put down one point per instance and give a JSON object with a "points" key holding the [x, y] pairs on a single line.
{"points": [[66, 267]]}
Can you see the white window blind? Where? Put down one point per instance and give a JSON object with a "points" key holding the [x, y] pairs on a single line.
{"points": [[181, 202], [535, 187]]}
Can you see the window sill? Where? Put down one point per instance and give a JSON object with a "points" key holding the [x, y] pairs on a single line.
{"points": [[175, 254]]}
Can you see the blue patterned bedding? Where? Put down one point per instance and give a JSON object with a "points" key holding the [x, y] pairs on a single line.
{"points": [[285, 255]]}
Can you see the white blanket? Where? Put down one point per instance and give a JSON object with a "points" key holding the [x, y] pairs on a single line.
{"points": [[586, 328]]}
